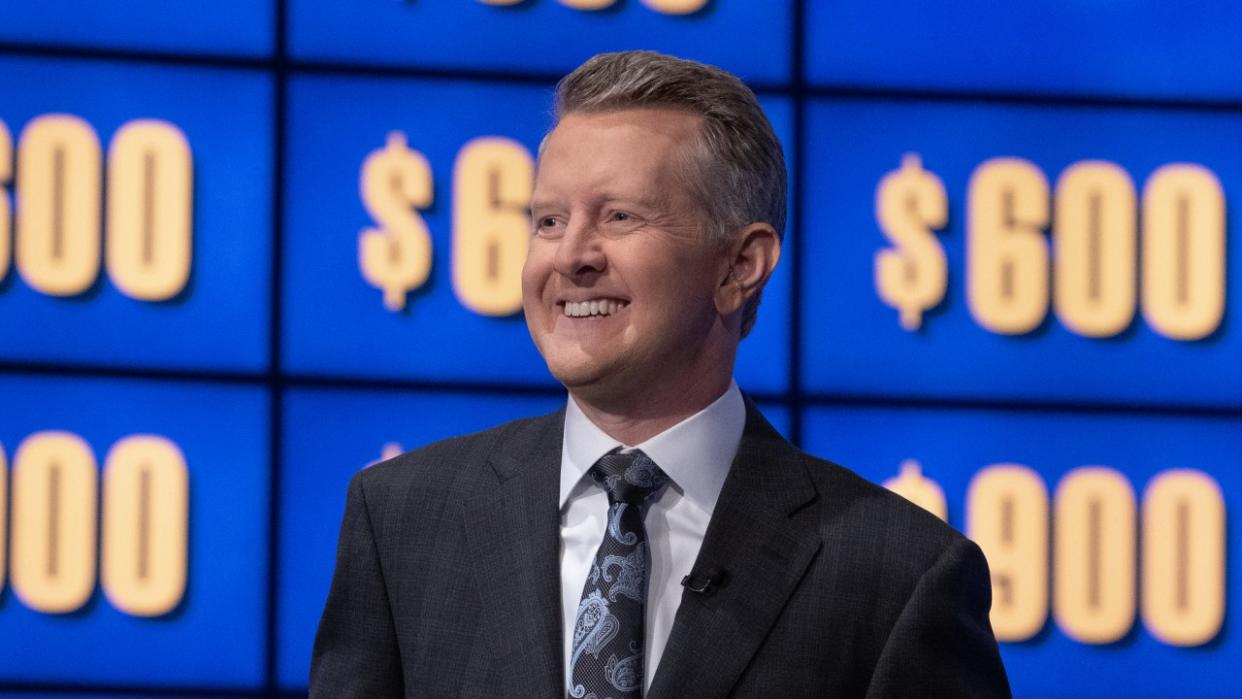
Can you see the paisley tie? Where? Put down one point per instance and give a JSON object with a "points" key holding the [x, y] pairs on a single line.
{"points": [[607, 658]]}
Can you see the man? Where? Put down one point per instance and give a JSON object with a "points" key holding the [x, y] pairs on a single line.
{"points": [[547, 557]]}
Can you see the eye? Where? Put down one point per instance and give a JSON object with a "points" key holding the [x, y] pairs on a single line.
{"points": [[623, 221], [546, 224]]}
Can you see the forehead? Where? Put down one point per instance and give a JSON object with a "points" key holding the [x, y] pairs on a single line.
{"points": [[629, 147], [659, 122]]}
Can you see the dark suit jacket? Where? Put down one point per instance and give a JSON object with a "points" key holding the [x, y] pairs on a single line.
{"points": [[447, 582]]}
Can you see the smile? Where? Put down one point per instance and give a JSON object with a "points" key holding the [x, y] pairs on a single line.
{"points": [[598, 307]]}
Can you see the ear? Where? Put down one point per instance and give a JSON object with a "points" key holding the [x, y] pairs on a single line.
{"points": [[752, 257]]}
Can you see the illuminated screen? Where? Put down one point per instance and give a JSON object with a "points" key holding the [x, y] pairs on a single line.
{"points": [[191, 615], [969, 312], [547, 37], [224, 28], [198, 296], [1140, 48], [249, 248]]}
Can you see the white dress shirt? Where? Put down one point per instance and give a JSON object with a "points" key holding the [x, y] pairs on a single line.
{"points": [[695, 454]]}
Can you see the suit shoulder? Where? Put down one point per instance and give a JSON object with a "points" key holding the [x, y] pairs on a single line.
{"points": [[446, 462], [874, 516]]}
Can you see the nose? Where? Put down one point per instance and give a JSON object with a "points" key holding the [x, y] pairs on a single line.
{"points": [[579, 251]]}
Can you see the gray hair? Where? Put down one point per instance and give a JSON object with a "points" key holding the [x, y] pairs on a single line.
{"points": [[738, 175]]}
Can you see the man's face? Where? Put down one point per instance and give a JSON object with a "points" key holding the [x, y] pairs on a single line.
{"points": [[619, 284]]}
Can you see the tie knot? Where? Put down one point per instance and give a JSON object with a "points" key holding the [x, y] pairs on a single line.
{"points": [[629, 477]]}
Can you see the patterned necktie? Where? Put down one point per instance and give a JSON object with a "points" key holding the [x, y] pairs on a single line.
{"points": [[607, 658]]}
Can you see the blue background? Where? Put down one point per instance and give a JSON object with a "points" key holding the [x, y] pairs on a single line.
{"points": [[224, 28], [220, 320], [860, 348], [541, 36], [214, 637], [279, 372], [1124, 48]]}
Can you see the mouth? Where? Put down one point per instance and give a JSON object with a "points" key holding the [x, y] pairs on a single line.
{"points": [[594, 308]]}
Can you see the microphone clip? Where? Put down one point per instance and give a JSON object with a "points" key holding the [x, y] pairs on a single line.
{"points": [[706, 583]]}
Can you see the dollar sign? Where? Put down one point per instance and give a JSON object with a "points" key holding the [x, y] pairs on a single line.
{"points": [[396, 257], [909, 203], [918, 489]]}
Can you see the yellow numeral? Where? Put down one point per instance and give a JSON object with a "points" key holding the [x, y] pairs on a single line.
{"points": [[1007, 255], [54, 494], [492, 181], [675, 7], [6, 209], [588, 4], [149, 210], [1095, 249], [1007, 515], [4, 515], [1094, 555], [59, 189], [1183, 252], [58, 202], [1096, 285], [145, 525], [1183, 558], [668, 7], [144, 553]]}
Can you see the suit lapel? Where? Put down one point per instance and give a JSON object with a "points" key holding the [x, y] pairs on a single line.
{"points": [[513, 527], [763, 536]]}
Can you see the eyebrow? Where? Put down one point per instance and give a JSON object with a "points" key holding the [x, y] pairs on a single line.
{"points": [[539, 204], [657, 200]]}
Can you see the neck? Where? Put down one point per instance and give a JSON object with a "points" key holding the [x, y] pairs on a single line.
{"points": [[634, 420]]}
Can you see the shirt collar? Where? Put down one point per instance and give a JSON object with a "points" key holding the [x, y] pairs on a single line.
{"points": [[695, 454]]}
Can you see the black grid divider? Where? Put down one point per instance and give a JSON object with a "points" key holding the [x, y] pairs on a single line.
{"points": [[797, 42], [795, 400], [275, 380]]}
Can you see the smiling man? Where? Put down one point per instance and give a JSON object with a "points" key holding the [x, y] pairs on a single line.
{"points": [[635, 307], [656, 537]]}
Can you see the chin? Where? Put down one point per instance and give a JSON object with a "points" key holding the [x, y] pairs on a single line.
{"points": [[586, 377], [576, 376]]}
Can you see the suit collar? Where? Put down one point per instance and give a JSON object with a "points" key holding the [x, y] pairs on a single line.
{"points": [[527, 443], [513, 525], [763, 535], [772, 471]]}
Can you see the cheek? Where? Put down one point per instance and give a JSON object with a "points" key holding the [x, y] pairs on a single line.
{"points": [[694, 278], [535, 273]]}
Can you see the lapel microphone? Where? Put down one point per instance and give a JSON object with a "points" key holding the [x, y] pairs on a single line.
{"points": [[706, 583]]}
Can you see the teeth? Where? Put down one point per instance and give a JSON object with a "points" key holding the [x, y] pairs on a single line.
{"points": [[598, 307]]}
